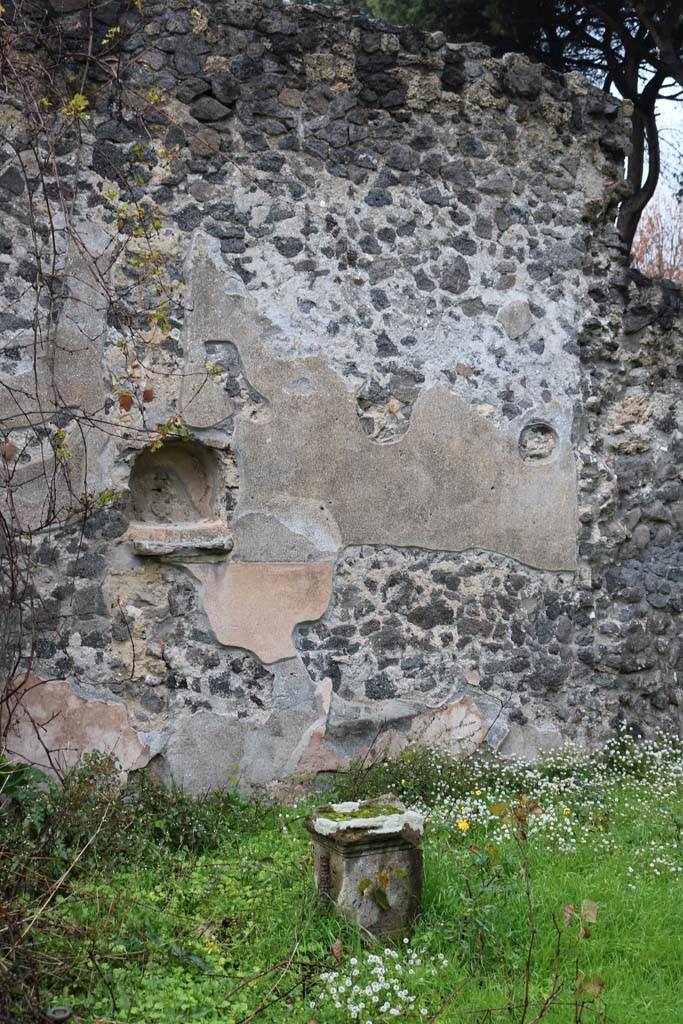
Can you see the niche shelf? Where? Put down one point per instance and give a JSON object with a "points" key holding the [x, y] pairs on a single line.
{"points": [[175, 502]]}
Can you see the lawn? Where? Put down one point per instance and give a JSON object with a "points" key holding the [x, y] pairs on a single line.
{"points": [[550, 893]]}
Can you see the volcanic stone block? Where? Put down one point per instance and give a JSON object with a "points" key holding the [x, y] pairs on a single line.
{"points": [[368, 862]]}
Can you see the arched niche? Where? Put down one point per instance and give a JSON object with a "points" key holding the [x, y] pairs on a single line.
{"points": [[175, 495]]}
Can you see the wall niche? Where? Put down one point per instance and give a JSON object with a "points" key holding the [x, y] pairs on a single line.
{"points": [[176, 506]]}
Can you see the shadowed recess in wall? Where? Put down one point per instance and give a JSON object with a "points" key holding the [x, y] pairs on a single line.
{"points": [[175, 501]]}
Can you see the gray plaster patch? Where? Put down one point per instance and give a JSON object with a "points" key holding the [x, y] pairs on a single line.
{"points": [[294, 538], [531, 741], [207, 750]]}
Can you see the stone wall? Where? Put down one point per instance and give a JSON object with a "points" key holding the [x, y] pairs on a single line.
{"points": [[421, 479]]}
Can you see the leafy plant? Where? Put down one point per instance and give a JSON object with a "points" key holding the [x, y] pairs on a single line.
{"points": [[77, 107], [18, 781]]}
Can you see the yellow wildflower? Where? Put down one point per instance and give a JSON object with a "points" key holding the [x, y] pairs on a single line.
{"points": [[566, 811], [463, 824]]}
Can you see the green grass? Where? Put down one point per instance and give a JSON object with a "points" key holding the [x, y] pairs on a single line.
{"points": [[220, 922]]}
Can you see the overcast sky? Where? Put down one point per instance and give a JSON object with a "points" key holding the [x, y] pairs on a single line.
{"points": [[670, 121]]}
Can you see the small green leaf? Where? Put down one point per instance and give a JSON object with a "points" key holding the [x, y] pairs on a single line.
{"points": [[380, 897]]}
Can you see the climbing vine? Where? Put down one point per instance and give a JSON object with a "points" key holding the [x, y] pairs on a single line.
{"points": [[52, 78]]}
